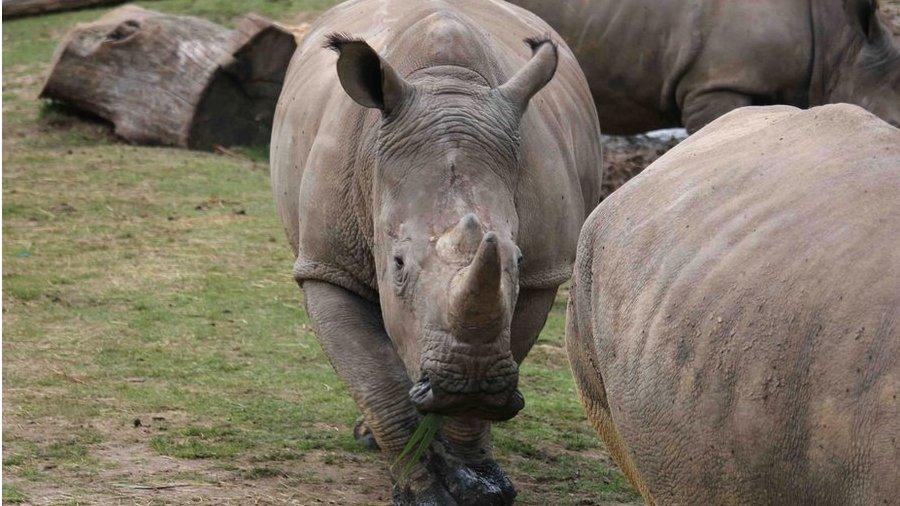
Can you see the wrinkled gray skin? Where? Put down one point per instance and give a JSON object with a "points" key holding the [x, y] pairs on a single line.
{"points": [[432, 173], [663, 63], [738, 342]]}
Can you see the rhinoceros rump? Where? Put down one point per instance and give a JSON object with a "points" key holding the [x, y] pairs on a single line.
{"points": [[432, 171], [737, 341], [662, 63]]}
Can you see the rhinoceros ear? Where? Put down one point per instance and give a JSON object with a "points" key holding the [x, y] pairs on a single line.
{"points": [[863, 15], [365, 76], [534, 75]]}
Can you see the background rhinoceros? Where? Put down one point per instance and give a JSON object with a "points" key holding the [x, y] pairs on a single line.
{"points": [[660, 63], [737, 341], [432, 170]]}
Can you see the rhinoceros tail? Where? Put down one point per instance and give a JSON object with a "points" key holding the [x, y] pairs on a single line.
{"points": [[335, 40], [538, 40]]}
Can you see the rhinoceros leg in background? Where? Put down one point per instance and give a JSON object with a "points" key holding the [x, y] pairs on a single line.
{"points": [[351, 331], [703, 106]]}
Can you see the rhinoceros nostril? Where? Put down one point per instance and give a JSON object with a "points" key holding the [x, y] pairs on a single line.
{"points": [[516, 401], [421, 394]]}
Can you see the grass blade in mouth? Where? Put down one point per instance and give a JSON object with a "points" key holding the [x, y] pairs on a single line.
{"points": [[419, 442]]}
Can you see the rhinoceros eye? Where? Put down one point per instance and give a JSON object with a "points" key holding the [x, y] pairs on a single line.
{"points": [[401, 274]]}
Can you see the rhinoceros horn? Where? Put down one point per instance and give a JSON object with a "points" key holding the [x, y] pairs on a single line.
{"points": [[464, 238], [476, 300]]}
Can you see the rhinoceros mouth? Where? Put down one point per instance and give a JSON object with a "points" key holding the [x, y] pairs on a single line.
{"points": [[498, 406]]}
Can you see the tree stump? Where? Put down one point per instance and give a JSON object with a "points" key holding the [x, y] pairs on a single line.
{"points": [[174, 80], [19, 8]]}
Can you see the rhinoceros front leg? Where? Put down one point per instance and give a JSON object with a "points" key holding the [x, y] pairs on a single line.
{"points": [[351, 331], [472, 475], [704, 106]]}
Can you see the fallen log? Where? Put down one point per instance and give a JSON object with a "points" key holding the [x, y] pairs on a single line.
{"points": [[20, 8], [174, 80]]}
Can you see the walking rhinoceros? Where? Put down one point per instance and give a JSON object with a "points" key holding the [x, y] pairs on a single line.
{"points": [[734, 318], [432, 166], [664, 63]]}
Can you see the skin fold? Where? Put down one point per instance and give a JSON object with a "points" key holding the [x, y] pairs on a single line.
{"points": [[737, 342], [432, 163], [663, 63]]}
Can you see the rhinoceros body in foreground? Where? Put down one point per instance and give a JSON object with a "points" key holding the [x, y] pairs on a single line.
{"points": [[663, 63], [737, 341], [432, 171]]}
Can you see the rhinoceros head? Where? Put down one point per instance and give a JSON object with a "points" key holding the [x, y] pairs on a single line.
{"points": [[447, 160], [867, 70]]}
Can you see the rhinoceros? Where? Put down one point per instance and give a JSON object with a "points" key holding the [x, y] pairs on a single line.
{"points": [[734, 319], [432, 164], [662, 63]]}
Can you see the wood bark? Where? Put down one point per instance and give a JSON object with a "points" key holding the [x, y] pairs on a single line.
{"points": [[20, 8], [174, 80]]}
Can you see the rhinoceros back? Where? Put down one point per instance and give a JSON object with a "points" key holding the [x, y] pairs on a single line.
{"points": [[736, 313]]}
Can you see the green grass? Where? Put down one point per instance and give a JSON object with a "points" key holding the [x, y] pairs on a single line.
{"points": [[12, 495], [149, 316], [418, 443]]}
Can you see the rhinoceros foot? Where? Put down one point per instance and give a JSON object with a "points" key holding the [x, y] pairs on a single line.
{"points": [[451, 481], [363, 434], [481, 483]]}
